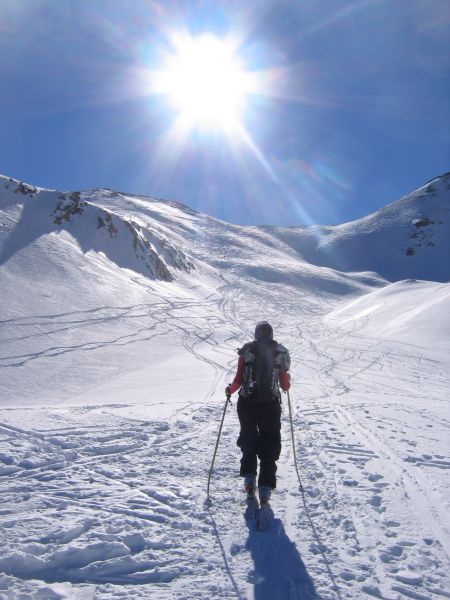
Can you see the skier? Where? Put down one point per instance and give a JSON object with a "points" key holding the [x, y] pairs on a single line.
{"points": [[262, 368]]}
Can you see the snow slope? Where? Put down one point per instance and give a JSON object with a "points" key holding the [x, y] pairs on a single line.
{"points": [[406, 239], [118, 329], [408, 311]]}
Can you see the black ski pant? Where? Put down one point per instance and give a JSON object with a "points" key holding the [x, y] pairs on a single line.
{"points": [[260, 437]]}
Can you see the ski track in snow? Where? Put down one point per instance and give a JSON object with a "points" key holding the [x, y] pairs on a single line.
{"points": [[100, 502]]}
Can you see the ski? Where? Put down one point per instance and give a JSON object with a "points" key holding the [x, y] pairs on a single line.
{"points": [[252, 507], [262, 518]]}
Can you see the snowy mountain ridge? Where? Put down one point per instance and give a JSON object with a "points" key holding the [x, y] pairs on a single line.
{"points": [[120, 316], [405, 239], [94, 227]]}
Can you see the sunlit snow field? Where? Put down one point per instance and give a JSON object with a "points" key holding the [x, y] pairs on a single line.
{"points": [[111, 395]]}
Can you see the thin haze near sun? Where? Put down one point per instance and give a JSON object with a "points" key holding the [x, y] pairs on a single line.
{"points": [[204, 82]]}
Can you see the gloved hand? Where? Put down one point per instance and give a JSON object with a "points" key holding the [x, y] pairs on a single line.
{"points": [[228, 390]]}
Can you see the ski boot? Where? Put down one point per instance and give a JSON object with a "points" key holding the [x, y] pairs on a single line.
{"points": [[264, 494], [250, 485], [252, 501], [262, 519]]}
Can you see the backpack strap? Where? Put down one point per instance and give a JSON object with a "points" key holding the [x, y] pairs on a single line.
{"points": [[248, 353], [282, 358], [282, 362]]}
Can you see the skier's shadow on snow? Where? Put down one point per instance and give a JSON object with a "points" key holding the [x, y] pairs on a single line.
{"points": [[279, 572]]}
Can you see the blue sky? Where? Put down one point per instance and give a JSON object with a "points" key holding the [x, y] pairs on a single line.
{"points": [[355, 112]]}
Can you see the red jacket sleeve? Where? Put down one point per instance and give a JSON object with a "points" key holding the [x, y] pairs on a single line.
{"points": [[285, 380], [239, 377]]}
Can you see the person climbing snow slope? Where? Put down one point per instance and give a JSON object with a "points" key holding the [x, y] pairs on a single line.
{"points": [[263, 367]]}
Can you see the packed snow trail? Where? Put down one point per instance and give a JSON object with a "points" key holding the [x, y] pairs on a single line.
{"points": [[99, 500]]}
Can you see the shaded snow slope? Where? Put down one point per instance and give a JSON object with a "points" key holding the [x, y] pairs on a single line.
{"points": [[119, 322], [30, 215], [407, 239]]}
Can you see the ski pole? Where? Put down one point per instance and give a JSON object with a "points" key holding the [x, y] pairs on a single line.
{"points": [[228, 400], [293, 442]]}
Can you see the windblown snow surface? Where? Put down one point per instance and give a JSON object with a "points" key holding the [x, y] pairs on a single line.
{"points": [[119, 322]]}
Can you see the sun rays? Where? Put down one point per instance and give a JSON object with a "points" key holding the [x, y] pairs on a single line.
{"points": [[217, 94], [205, 83]]}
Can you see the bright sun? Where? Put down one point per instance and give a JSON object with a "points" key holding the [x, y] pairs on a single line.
{"points": [[205, 82]]}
